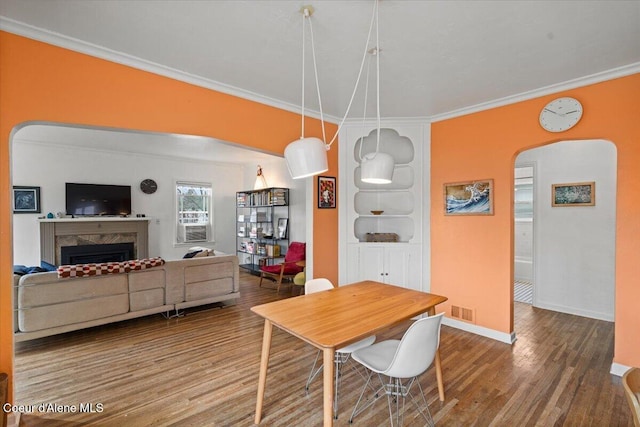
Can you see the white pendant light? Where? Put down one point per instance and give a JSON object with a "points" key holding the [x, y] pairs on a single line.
{"points": [[307, 156], [377, 167]]}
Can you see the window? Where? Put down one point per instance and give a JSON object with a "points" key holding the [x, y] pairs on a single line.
{"points": [[194, 213]]}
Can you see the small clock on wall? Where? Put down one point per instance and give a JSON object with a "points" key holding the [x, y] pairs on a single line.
{"points": [[148, 186], [561, 114]]}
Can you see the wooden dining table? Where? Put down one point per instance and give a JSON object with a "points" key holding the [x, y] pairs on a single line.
{"points": [[335, 318]]}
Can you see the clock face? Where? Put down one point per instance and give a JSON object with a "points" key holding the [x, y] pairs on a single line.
{"points": [[148, 186], [561, 114]]}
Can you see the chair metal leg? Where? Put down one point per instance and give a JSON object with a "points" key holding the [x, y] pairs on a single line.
{"points": [[376, 396], [339, 360], [396, 393], [314, 372]]}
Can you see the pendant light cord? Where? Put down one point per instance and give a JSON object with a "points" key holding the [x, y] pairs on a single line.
{"points": [[377, 77], [375, 51], [306, 14], [315, 71], [364, 109]]}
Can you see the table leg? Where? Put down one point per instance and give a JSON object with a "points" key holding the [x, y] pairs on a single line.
{"points": [[432, 312], [439, 376], [328, 372], [264, 364]]}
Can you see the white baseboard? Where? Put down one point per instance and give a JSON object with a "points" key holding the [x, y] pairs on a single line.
{"points": [[618, 369], [480, 330], [607, 317]]}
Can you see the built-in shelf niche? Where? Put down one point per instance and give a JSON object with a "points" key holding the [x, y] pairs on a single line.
{"points": [[402, 226], [396, 199], [390, 202]]}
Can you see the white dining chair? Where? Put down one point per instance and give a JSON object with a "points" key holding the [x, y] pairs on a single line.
{"points": [[342, 354], [402, 361]]}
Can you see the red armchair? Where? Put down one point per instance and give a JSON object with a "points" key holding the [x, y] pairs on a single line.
{"points": [[287, 269]]}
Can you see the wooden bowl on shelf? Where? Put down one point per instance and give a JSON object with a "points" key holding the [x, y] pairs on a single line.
{"points": [[376, 212]]}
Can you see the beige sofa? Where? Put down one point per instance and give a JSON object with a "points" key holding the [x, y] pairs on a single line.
{"points": [[45, 304]]}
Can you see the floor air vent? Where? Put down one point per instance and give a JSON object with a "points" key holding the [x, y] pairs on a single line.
{"points": [[462, 313]]}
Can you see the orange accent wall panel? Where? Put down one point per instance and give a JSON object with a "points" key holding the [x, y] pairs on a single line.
{"points": [[484, 145], [41, 82]]}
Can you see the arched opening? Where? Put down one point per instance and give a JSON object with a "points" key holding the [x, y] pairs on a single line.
{"points": [[572, 242]]}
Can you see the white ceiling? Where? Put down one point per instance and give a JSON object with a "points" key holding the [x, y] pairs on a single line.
{"points": [[437, 57]]}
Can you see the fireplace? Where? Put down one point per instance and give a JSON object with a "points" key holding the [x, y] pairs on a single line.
{"points": [[58, 233], [84, 254]]}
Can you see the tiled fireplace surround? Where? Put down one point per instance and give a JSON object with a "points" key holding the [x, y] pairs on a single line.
{"points": [[56, 233]]}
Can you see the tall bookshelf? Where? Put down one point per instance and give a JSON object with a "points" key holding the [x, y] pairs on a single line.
{"points": [[262, 227]]}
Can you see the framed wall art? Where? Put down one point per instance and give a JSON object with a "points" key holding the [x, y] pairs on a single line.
{"points": [[469, 198], [282, 228], [26, 199], [326, 192], [573, 194]]}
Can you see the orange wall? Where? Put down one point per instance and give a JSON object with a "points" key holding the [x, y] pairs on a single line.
{"points": [[472, 256], [46, 83]]}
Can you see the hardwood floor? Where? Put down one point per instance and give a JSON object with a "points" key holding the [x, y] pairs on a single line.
{"points": [[202, 370]]}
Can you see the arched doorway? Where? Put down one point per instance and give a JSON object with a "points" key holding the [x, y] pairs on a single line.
{"points": [[573, 259]]}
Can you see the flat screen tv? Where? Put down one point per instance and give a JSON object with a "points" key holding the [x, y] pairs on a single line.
{"points": [[98, 199]]}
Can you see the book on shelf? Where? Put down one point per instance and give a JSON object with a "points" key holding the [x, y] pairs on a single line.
{"points": [[273, 250]]}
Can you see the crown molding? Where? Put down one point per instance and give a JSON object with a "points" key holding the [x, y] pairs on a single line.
{"points": [[76, 45], [60, 40], [614, 73]]}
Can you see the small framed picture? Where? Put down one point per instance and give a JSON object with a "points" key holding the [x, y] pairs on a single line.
{"points": [[574, 194], [469, 198], [326, 192], [282, 228], [26, 199]]}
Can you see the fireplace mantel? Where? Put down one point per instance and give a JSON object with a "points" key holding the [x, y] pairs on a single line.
{"points": [[58, 232]]}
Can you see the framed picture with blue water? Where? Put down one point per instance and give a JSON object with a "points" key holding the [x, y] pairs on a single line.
{"points": [[26, 199], [469, 198]]}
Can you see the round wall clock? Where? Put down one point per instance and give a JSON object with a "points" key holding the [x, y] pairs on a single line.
{"points": [[561, 114], [148, 186]]}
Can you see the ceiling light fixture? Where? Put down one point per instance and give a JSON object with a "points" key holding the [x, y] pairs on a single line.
{"points": [[307, 156], [376, 167]]}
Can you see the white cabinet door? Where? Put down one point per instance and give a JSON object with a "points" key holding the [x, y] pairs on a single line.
{"points": [[372, 263], [395, 264]]}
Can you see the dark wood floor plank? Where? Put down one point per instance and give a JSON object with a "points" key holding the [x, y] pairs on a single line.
{"points": [[202, 370]]}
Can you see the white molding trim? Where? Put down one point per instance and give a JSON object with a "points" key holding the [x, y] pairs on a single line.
{"points": [[618, 369], [60, 40], [607, 317], [614, 73], [480, 330]]}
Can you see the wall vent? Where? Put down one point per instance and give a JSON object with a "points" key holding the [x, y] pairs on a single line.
{"points": [[463, 313]]}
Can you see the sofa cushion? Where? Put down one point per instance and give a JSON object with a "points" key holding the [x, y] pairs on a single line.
{"points": [[45, 289], [54, 315], [144, 300], [208, 288], [147, 279], [289, 269]]}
